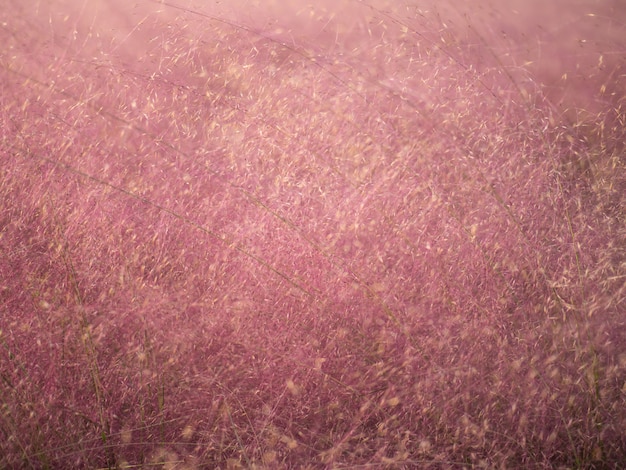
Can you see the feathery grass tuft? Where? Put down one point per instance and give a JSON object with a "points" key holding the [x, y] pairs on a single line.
{"points": [[342, 235]]}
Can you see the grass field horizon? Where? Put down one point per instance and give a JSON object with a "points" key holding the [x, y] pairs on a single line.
{"points": [[344, 234]]}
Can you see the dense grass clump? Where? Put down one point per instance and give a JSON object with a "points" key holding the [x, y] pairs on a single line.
{"points": [[342, 235]]}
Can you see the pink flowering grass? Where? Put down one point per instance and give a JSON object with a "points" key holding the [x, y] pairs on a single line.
{"points": [[349, 235]]}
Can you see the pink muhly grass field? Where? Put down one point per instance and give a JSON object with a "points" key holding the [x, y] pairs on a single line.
{"points": [[346, 234]]}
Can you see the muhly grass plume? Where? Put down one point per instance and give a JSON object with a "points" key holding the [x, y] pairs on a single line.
{"points": [[330, 239]]}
